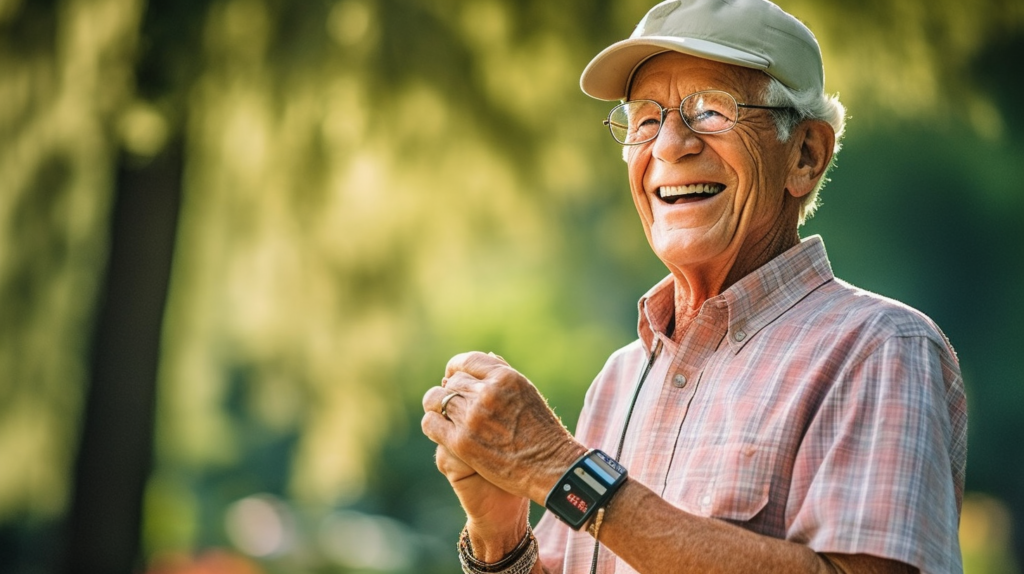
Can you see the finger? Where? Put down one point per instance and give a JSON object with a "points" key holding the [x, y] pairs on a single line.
{"points": [[437, 429], [443, 401], [452, 406], [432, 399], [461, 382], [474, 363]]}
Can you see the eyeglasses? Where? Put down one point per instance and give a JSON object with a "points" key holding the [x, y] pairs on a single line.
{"points": [[708, 112]]}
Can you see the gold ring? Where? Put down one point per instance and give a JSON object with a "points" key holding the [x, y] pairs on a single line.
{"points": [[444, 403]]}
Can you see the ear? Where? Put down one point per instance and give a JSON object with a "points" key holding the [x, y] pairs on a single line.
{"points": [[813, 145]]}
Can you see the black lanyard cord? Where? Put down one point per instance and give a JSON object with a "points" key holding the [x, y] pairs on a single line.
{"points": [[625, 427]]}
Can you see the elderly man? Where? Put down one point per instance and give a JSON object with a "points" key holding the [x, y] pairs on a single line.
{"points": [[770, 417]]}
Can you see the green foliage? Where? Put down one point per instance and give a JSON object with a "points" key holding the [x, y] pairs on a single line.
{"points": [[64, 71], [374, 186]]}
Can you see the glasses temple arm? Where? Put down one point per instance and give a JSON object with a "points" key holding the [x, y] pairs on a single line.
{"points": [[764, 107]]}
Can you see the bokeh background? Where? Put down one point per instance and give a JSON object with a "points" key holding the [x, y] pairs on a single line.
{"points": [[240, 239]]}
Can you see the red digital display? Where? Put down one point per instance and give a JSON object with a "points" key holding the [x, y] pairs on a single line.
{"points": [[576, 501]]}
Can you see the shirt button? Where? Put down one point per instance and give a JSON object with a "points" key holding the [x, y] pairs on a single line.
{"points": [[739, 336], [679, 380], [706, 501]]}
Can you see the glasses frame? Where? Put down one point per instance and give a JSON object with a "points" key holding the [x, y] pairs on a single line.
{"points": [[664, 111]]}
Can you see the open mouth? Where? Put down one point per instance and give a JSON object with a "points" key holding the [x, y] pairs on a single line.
{"points": [[686, 193]]}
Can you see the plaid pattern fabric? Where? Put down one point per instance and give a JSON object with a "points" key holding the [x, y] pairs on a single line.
{"points": [[796, 406]]}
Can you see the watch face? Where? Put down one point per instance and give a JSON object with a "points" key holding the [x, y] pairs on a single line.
{"points": [[571, 502], [589, 483]]}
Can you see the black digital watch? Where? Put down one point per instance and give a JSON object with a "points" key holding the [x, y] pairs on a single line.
{"points": [[587, 486]]}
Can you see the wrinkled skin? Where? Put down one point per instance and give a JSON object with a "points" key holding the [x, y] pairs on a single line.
{"points": [[710, 243], [503, 446], [499, 411]]}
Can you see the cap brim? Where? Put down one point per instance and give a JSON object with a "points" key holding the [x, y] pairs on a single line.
{"points": [[607, 76]]}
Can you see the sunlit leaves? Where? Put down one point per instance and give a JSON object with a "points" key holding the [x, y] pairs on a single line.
{"points": [[911, 60], [370, 186], [65, 75]]}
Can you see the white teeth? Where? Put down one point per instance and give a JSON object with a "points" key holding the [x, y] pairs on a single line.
{"points": [[680, 190]]}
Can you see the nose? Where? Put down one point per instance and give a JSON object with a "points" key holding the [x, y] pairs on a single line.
{"points": [[676, 140]]}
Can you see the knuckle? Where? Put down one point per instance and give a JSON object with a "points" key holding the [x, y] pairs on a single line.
{"points": [[488, 400], [454, 380], [456, 363], [507, 376]]}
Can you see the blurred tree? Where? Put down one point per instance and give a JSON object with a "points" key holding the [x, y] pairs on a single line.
{"points": [[115, 450], [65, 73], [371, 186]]}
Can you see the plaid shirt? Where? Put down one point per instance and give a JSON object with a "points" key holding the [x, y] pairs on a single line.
{"points": [[796, 406]]}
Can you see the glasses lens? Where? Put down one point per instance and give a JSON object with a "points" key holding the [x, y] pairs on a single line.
{"points": [[635, 122], [709, 112]]}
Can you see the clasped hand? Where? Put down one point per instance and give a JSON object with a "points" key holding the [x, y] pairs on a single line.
{"points": [[500, 443]]}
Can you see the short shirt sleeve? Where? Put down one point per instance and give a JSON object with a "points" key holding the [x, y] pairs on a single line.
{"points": [[881, 467]]}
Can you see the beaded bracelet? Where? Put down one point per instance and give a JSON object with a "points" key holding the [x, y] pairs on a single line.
{"points": [[519, 561]]}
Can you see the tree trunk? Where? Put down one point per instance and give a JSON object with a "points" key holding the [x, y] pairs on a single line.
{"points": [[115, 452]]}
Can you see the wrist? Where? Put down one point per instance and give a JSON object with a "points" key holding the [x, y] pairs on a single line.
{"points": [[496, 533], [559, 462], [520, 560], [490, 543]]}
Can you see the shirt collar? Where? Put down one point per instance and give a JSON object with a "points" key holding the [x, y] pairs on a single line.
{"points": [[754, 301]]}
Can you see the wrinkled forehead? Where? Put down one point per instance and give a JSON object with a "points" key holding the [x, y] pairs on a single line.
{"points": [[683, 73]]}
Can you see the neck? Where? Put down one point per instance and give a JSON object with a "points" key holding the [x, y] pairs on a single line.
{"points": [[694, 287]]}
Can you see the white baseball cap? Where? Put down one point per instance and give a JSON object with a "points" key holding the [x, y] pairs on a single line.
{"points": [[749, 33]]}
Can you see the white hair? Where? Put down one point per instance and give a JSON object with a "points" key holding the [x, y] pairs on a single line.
{"points": [[806, 105]]}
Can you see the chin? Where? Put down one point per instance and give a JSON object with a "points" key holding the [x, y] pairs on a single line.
{"points": [[679, 248]]}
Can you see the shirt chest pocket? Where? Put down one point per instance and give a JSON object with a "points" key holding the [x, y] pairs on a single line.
{"points": [[730, 481]]}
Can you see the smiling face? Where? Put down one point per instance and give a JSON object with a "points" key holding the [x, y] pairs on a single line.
{"points": [[714, 207]]}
